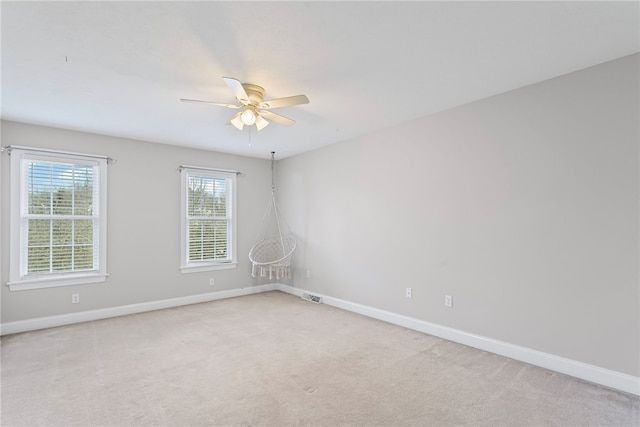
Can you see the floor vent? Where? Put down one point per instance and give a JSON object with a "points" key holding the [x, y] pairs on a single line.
{"points": [[312, 298]]}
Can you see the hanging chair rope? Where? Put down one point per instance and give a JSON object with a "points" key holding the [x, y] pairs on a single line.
{"points": [[271, 254]]}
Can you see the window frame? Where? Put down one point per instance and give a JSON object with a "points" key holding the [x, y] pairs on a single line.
{"points": [[19, 279], [230, 177]]}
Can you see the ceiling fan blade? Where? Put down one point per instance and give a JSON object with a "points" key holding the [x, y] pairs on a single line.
{"points": [[285, 102], [261, 123], [211, 102], [237, 89], [285, 121]]}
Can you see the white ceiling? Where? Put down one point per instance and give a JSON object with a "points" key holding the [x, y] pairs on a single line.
{"points": [[119, 68]]}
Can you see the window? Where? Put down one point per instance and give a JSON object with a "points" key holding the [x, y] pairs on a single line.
{"points": [[208, 220], [58, 220]]}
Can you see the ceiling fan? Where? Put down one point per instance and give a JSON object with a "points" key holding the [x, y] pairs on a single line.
{"points": [[255, 110]]}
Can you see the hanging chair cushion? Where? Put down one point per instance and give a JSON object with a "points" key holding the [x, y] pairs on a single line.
{"points": [[273, 250]]}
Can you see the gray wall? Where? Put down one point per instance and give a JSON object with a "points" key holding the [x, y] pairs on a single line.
{"points": [[523, 206], [143, 222]]}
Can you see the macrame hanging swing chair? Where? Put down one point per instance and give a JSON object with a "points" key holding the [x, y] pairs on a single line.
{"points": [[271, 254]]}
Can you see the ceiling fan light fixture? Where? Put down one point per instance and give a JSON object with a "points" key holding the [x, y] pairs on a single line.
{"points": [[261, 123], [248, 117], [237, 121]]}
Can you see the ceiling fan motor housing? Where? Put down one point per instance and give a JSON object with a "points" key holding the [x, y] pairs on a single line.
{"points": [[255, 93]]}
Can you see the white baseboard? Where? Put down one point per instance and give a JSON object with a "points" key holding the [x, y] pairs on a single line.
{"points": [[595, 374], [86, 316]]}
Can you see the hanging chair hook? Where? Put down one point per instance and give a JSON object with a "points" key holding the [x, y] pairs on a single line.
{"points": [[273, 186]]}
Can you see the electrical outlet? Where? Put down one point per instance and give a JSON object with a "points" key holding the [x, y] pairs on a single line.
{"points": [[75, 298], [448, 301], [408, 293], [212, 281], [308, 273]]}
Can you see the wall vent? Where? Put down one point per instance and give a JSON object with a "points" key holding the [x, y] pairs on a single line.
{"points": [[312, 298]]}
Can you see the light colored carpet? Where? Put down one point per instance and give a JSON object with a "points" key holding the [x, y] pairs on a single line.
{"points": [[273, 359]]}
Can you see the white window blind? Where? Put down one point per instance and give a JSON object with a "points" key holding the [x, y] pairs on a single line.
{"points": [[58, 205], [208, 225]]}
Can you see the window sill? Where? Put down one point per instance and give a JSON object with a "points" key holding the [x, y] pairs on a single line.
{"points": [[208, 267], [49, 282]]}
